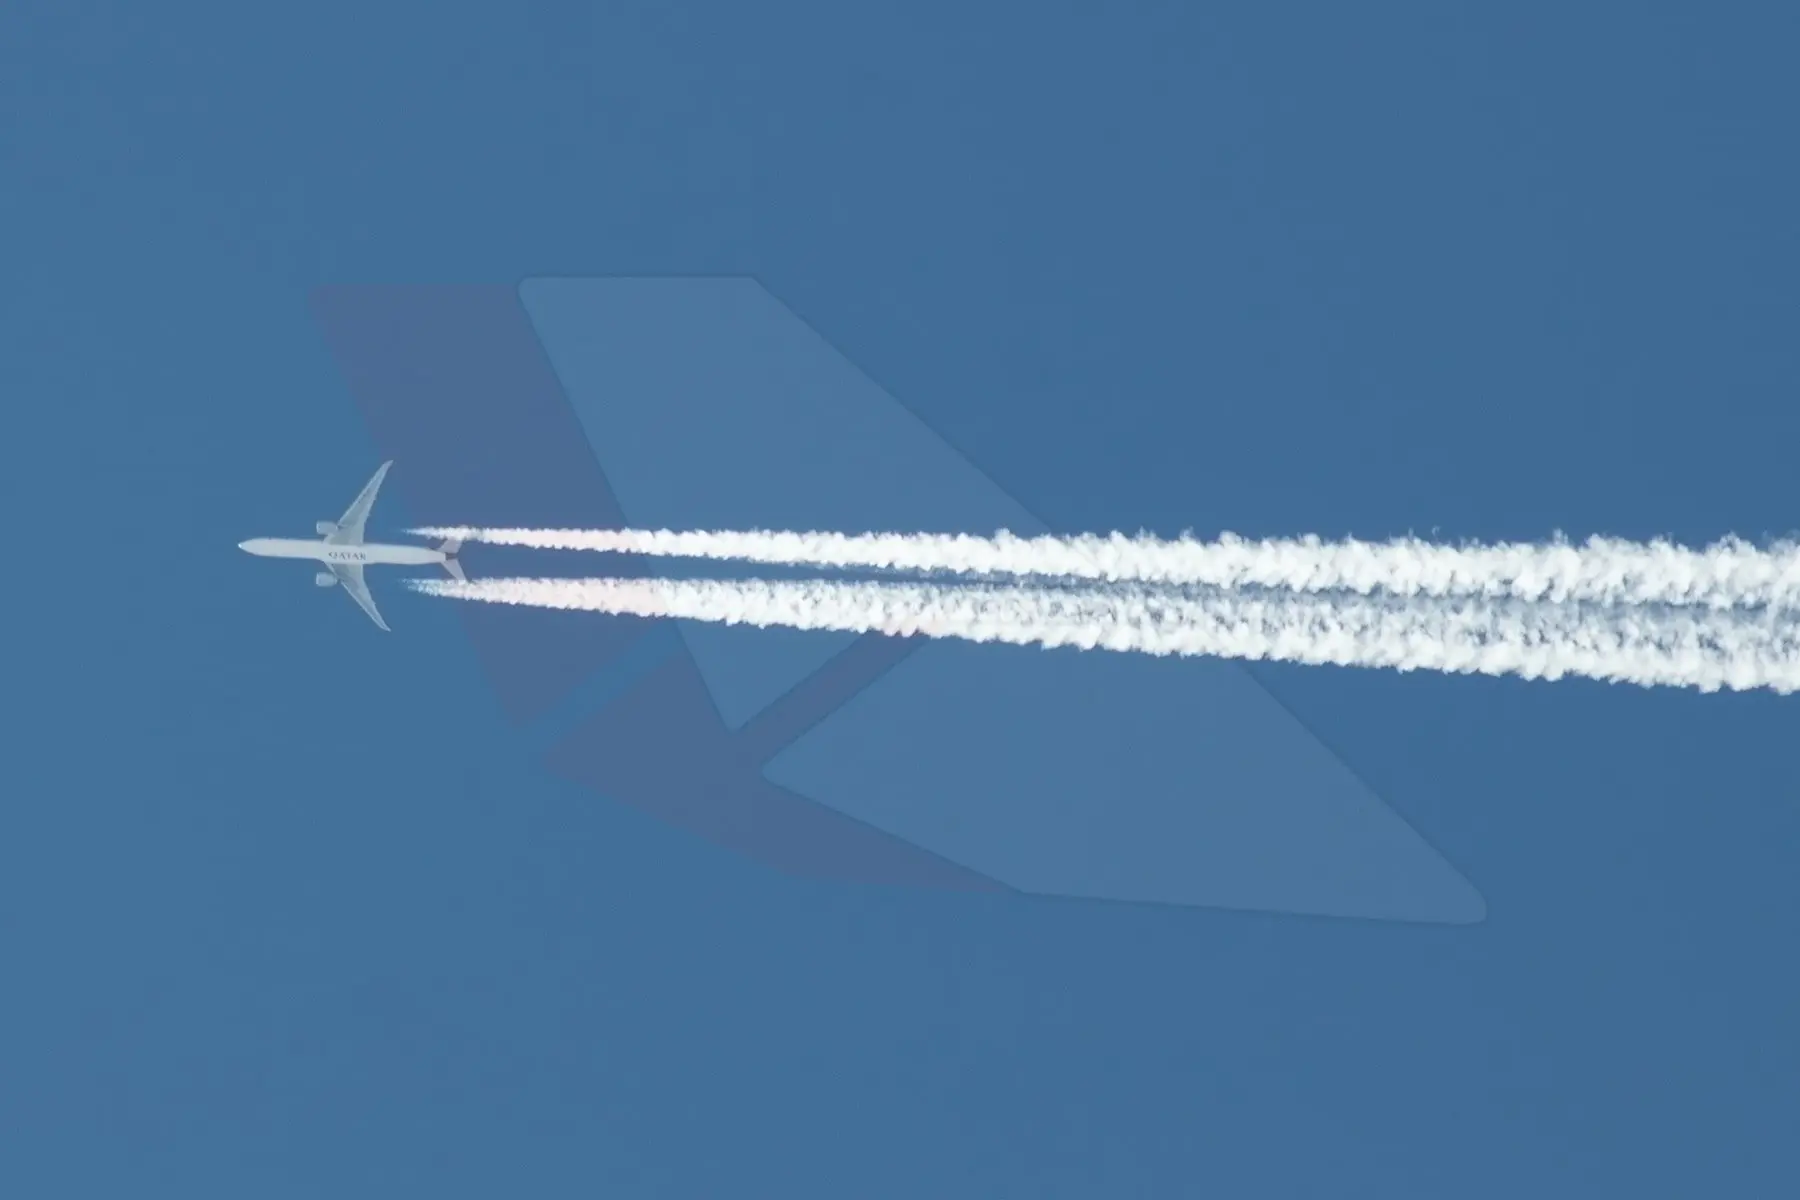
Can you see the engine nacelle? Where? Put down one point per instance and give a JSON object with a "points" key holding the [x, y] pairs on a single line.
{"points": [[324, 579], [325, 528]]}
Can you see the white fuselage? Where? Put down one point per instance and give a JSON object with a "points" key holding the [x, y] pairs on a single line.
{"points": [[365, 554]]}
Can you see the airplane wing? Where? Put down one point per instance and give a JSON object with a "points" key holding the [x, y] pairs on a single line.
{"points": [[350, 525], [351, 576]]}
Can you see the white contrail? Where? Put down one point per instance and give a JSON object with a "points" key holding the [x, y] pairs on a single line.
{"points": [[1726, 574], [1647, 646]]}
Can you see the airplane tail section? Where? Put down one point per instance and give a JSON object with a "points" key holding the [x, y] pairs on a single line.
{"points": [[450, 549]]}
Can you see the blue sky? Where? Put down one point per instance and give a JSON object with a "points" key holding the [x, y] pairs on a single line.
{"points": [[289, 908]]}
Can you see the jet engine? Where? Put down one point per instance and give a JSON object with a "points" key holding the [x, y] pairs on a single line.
{"points": [[324, 579], [325, 528]]}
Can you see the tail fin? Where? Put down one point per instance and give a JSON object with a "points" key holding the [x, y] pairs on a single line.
{"points": [[450, 549]]}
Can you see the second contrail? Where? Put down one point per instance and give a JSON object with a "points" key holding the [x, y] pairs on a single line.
{"points": [[1648, 646]]}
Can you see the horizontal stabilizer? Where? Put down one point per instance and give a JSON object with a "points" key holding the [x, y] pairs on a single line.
{"points": [[450, 549]]}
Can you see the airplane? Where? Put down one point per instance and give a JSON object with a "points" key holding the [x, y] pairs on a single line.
{"points": [[345, 554]]}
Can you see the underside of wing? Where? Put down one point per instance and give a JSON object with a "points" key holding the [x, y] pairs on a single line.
{"points": [[351, 576], [349, 530]]}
